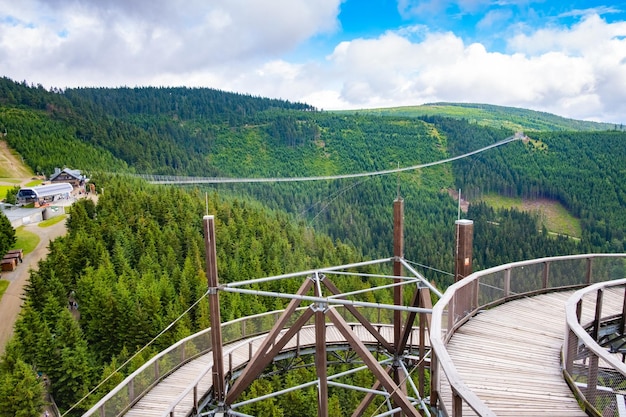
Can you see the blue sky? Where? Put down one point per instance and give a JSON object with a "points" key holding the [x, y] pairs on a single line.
{"points": [[566, 58]]}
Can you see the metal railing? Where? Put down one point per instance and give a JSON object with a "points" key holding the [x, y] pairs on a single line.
{"points": [[129, 391], [495, 286], [136, 385], [595, 373]]}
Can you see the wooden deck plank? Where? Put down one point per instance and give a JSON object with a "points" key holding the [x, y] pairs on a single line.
{"points": [[510, 355]]}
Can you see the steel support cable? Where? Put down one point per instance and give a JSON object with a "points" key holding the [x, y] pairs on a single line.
{"points": [[407, 375], [430, 267], [216, 180], [169, 326]]}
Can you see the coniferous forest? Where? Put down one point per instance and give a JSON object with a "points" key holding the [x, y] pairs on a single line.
{"points": [[134, 261]]}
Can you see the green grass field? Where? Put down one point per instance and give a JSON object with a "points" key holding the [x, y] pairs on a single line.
{"points": [[3, 287], [551, 213], [33, 183], [4, 189], [54, 220], [27, 241]]}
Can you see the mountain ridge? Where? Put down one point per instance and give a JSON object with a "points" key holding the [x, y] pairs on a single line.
{"points": [[514, 118]]}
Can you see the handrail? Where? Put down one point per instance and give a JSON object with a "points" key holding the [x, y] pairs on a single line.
{"points": [[594, 354], [574, 325], [127, 392], [127, 383], [496, 285]]}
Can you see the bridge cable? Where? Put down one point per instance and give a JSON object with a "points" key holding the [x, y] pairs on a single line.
{"points": [[219, 180], [430, 267], [169, 326]]}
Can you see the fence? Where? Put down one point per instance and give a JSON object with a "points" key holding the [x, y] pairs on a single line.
{"points": [[136, 385], [597, 373], [495, 286]]}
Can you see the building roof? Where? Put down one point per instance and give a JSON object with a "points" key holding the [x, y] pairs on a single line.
{"points": [[50, 189], [72, 172]]}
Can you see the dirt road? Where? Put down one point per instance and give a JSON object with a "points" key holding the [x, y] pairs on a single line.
{"points": [[11, 302]]}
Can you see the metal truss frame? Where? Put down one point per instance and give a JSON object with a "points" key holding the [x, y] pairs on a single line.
{"points": [[393, 381]]}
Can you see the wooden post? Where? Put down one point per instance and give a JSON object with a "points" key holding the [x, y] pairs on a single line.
{"points": [[463, 255], [398, 253], [320, 363], [219, 391], [622, 325]]}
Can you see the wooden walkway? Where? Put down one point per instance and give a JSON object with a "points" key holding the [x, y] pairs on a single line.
{"points": [[510, 356], [169, 389]]}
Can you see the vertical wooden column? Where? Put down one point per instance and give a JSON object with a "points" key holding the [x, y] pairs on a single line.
{"points": [[463, 255], [320, 352], [214, 308], [398, 253]]}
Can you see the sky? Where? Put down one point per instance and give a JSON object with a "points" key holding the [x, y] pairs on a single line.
{"points": [[566, 58]]}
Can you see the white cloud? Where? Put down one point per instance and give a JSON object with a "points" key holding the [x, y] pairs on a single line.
{"points": [[238, 45], [576, 72], [143, 39]]}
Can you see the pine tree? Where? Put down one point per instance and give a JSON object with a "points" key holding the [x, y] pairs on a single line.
{"points": [[7, 234], [21, 389]]}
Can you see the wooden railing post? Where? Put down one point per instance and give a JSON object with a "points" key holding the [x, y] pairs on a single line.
{"points": [[598, 317], [457, 405], [546, 274], [434, 379], [622, 327], [507, 283], [589, 270]]}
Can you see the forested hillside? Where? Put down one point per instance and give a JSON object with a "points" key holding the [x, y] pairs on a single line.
{"points": [[203, 132], [134, 262], [582, 170]]}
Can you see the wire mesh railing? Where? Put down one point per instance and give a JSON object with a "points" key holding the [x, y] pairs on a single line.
{"points": [[495, 286], [593, 352], [136, 385], [129, 391]]}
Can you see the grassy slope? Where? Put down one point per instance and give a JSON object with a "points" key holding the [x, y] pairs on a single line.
{"points": [[12, 168], [496, 116], [553, 215]]}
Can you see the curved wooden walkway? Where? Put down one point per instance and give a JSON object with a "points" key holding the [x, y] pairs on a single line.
{"points": [[160, 398], [510, 356]]}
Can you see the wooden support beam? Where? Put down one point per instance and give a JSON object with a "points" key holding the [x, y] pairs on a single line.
{"points": [[218, 375], [463, 255], [386, 381], [320, 353], [425, 301], [261, 360], [320, 363], [360, 318]]}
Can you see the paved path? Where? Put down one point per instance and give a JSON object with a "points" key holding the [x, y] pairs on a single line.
{"points": [[11, 302]]}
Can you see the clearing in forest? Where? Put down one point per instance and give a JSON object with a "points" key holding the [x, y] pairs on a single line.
{"points": [[551, 213]]}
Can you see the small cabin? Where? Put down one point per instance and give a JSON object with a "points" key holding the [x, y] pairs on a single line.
{"points": [[70, 176]]}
